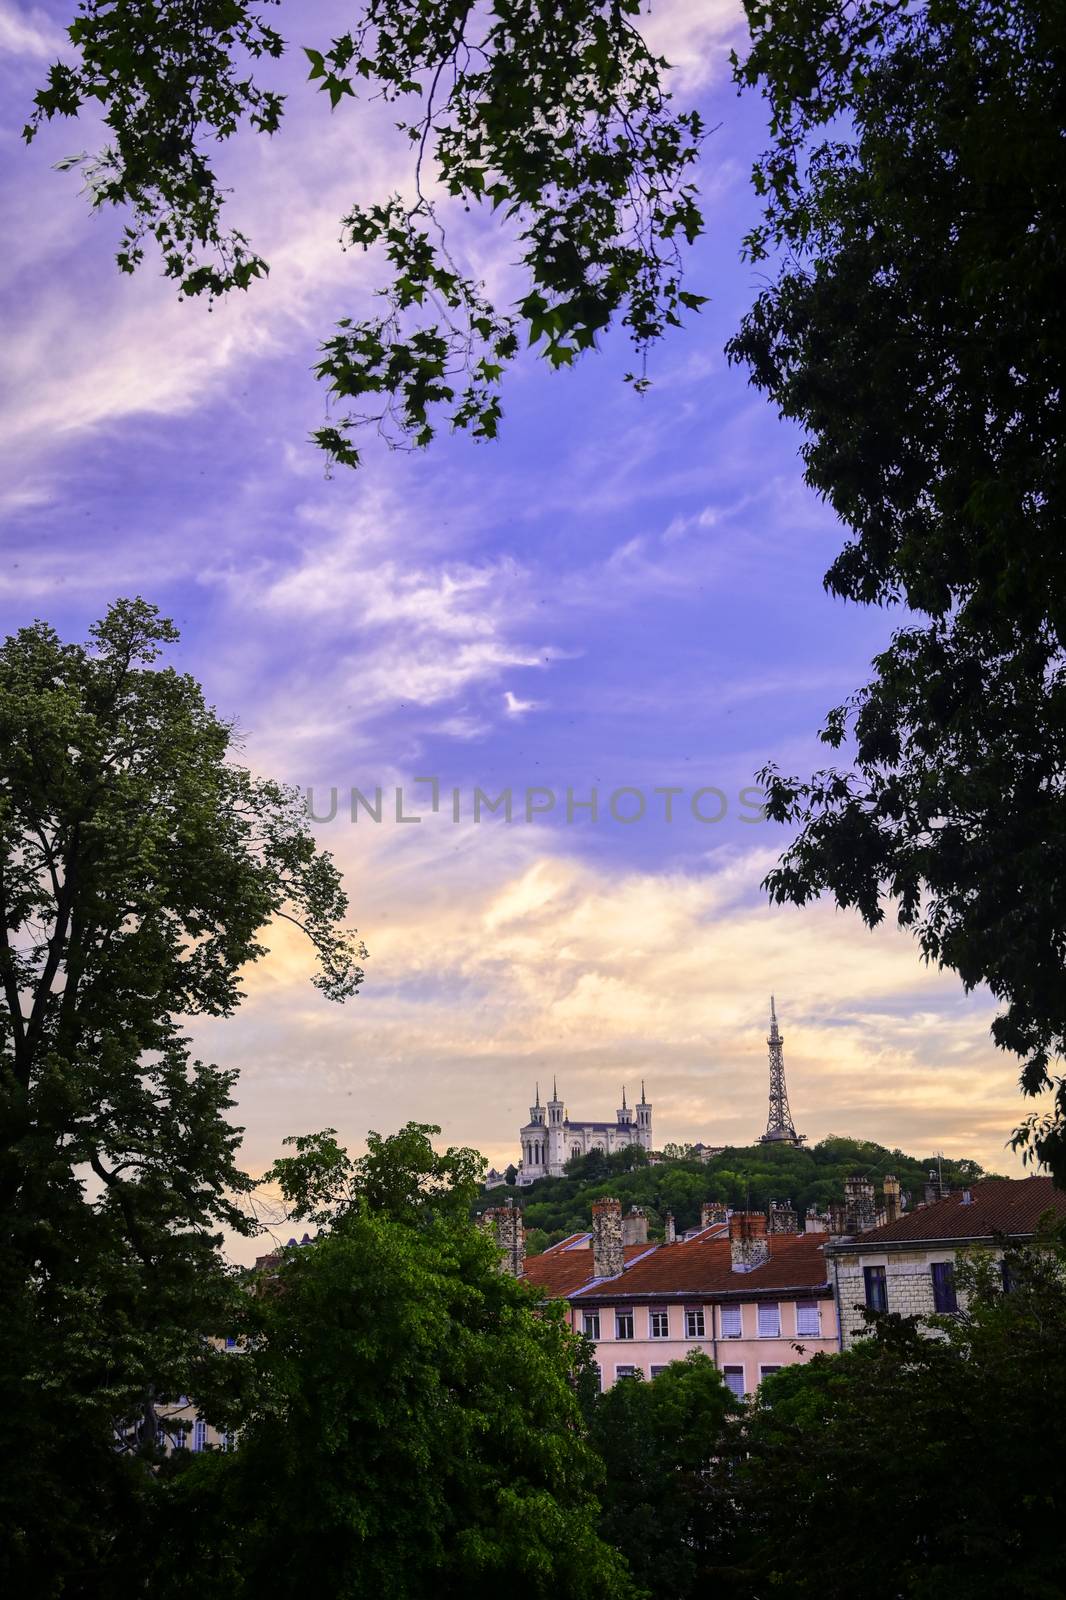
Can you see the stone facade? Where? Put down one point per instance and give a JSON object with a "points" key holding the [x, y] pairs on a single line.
{"points": [[549, 1139], [908, 1284]]}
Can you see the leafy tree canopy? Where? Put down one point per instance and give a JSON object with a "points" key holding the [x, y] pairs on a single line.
{"points": [[555, 116], [659, 1442], [915, 327], [138, 868], [416, 1430], [913, 1465], [756, 1175]]}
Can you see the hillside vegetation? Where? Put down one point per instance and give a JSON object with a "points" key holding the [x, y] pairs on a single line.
{"points": [[740, 1177]]}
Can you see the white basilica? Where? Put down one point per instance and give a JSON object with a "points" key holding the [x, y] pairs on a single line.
{"points": [[548, 1141]]}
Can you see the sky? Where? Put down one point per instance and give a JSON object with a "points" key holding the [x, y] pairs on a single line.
{"points": [[622, 595]]}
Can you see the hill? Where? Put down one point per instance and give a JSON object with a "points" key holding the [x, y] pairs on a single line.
{"points": [[750, 1176]]}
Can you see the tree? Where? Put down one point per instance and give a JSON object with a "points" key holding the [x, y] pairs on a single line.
{"points": [[914, 1465], [663, 1506], [417, 1431], [916, 330], [138, 868], [553, 115]]}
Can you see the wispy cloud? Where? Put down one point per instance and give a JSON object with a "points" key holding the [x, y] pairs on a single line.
{"points": [[28, 32], [501, 958]]}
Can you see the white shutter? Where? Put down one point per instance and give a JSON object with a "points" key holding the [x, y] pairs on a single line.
{"points": [[807, 1319], [769, 1322]]}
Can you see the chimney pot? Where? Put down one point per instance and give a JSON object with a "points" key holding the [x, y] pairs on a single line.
{"points": [[635, 1226], [608, 1258], [749, 1246], [891, 1191], [510, 1235], [859, 1210], [712, 1212]]}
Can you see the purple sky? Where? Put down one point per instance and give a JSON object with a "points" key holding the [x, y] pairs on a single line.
{"points": [[621, 592]]}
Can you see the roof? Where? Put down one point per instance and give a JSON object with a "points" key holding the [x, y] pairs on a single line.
{"points": [[1011, 1206], [565, 1268], [692, 1267]]}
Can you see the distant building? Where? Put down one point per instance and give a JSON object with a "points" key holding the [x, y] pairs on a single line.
{"points": [[752, 1301], [550, 1139], [907, 1264]]}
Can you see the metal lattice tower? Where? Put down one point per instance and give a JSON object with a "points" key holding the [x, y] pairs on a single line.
{"points": [[779, 1127]]}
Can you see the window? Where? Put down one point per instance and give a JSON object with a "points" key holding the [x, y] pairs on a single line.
{"points": [[655, 1371], [178, 1438], [808, 1320], [694, 1324], [229, 1440], [876, 1288], [770, 1322], [659, 1324], [231, 1344], [590, 1324], [199, 1435], [945, 1299], [626, 1372], [734, 1381], [732, 1327], [767, 1372], [623, 1324]]}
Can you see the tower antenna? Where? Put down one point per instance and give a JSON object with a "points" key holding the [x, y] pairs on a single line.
{"points": [[780, 1128]]}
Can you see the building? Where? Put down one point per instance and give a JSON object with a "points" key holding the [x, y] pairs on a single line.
{"points": [[752, 1300], [906, 1263], [549, 1139]]}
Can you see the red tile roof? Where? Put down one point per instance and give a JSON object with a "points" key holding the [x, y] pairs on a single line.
{"points": [[692, 1267], [561, 1270], [1011, 1206]]}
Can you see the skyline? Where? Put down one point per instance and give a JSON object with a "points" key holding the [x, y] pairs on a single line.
{"points": [[621, 592]]}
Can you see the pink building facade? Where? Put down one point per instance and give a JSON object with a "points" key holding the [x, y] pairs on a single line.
{"points": [[753, 1301]]}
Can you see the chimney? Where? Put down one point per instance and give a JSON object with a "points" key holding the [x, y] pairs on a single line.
{"points": [[892, 1197], [837, 1223], [934, 1189], [635, 1226], [671, 1231], [748, 1245], [507, 1228], [859, 1211], [711, 1212], [816, 1222], [783, 1217], [607, 1257]]}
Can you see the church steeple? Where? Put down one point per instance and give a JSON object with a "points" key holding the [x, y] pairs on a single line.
{"points": [[555, 1106], [625, 1116], [536, 1110]]}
